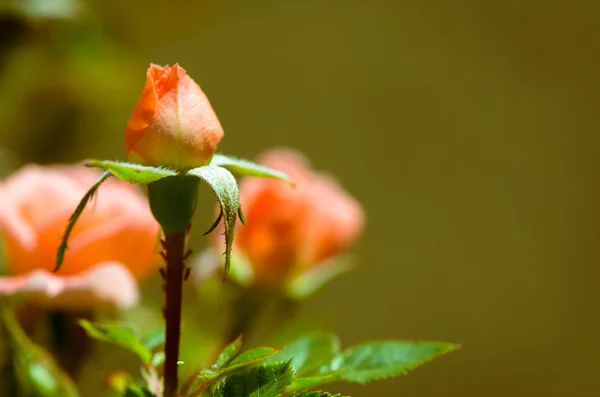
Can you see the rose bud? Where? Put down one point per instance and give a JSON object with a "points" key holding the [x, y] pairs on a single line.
{"points": [[173, 124]]}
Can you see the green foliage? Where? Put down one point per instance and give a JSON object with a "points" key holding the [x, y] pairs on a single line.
{"points": [[245, 359], [154, 339], [318, 360], [307, 393], [223, 183], [247, 168], [269, 380], [116, 334], [60, 254], [36, 373], [137, 391], [310, 281], [132, 173], [309, 352], [312, 381], [228, 353], [384, 359]]}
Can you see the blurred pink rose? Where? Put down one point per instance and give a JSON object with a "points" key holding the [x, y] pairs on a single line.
{"points": [[116, 230], [291, 230]]}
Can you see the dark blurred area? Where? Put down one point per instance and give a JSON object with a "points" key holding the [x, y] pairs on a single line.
{"points": [[467, 129]]}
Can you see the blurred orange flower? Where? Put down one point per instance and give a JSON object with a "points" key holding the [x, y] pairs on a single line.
{"points": [[291, 230], [116, 232], [173, 123]]}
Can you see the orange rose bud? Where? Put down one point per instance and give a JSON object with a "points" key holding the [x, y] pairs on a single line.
{"points": [[173, 124], [291, 230]]}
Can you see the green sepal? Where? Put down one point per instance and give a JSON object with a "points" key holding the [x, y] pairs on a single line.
{"points": [[378, 360], [247, 168], [269, 380], [223, 183], [173, 202], [309, 352], [132, 173], [118, 335], [249, 357], [60, 254]]}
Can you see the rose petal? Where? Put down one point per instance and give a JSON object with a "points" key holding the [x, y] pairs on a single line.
{"points": [[106, 285]]}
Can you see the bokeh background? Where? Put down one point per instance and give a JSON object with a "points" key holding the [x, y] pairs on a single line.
{"points": [[467, 129]]}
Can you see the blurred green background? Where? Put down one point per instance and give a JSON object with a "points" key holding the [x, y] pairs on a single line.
{"points": [[468, 130]]}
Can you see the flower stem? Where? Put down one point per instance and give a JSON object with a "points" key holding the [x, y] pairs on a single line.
{"points": [[174, 245]]}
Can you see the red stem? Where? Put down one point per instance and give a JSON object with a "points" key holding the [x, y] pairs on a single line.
{"points": [[173, 279]]}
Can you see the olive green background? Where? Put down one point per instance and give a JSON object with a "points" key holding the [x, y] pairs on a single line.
{"points": [[467, 129]]}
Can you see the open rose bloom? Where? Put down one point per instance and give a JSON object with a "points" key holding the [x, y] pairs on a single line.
{"points": [[112, 246], [292, 231]]}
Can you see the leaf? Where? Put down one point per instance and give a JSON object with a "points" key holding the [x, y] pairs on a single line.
{"points": [[269, 380], [308, 282], [116, 334], [223, 183], [384, 359], [34, 369], [248, 357], [247, 168], [158, 359], [155, 339], [228, 353], [308, 393], [137, 391], [253, 355], [60, 254], [309, 352], [313, 381], [132, 173]]}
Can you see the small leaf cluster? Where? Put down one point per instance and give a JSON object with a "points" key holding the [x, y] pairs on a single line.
{"points": [[306, 363]]}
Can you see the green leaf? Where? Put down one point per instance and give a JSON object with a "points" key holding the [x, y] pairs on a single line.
{"points": [[308, 282], [60, 254], [248, 357], [223, 183], [229, 353], [313, 381], [269, 380], [158, 359], [116, 334], [137, 391], [384, 359], [132, 173], [155, 339], [247, 168], [35, 371], [309, 352], [308, 393]]}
